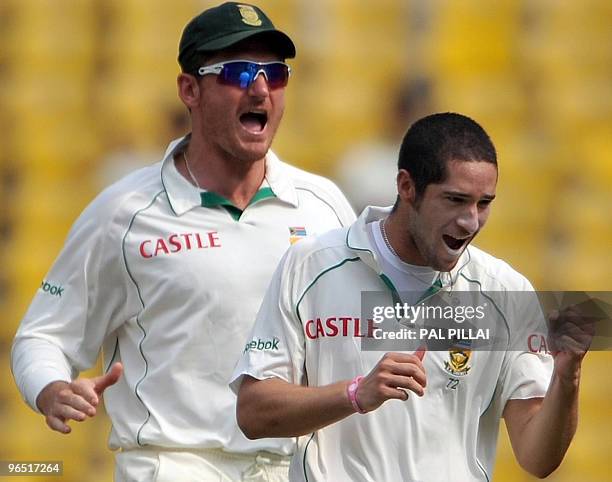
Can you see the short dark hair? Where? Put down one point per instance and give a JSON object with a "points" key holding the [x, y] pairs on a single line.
{"points": [[433, 141], [199, 59]]}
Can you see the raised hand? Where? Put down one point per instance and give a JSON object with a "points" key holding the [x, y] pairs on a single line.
{"points": [[570, 333]]}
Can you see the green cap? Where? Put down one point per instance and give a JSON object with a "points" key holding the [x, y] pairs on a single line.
{"points": [[223, 26]]}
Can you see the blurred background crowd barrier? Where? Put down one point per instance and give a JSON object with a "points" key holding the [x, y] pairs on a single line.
{"points": [[87, 93]]}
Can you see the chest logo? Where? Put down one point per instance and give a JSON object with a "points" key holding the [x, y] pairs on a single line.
{"points": [[296, 233], [458, 362], [342, 326], [177, 242]]}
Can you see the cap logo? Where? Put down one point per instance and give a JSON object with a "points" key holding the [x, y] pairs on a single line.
{"points": [[249, 15]]}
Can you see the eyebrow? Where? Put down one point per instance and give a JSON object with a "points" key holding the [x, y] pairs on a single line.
{"points": [[462, 195]]}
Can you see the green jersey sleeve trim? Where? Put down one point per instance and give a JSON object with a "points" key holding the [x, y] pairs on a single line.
{"points": [[501, 313], [327, 270]]}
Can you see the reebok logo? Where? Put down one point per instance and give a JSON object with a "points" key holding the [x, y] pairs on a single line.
{"points": [[51, 289], [261, 345]]}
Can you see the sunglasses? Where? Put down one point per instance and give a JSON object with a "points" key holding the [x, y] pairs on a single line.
{"points": [[242, 73]]}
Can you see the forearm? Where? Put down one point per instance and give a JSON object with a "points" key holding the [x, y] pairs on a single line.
{"points": [[547, 434], [275, 408]]}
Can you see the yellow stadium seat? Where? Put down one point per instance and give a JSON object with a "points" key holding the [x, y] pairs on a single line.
{"points": [[473, 38], [594, 150], [44, 37], [497, 103]]}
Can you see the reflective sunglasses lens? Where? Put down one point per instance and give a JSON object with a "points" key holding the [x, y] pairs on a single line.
{"points": [[242, 74], [236, 73], [277, 74]]}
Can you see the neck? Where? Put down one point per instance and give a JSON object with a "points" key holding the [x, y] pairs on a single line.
{"points": [[401, 241], [236, 180]]}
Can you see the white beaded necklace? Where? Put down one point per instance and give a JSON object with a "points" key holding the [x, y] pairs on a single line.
{"points": [[193, 178], [383, 231]]}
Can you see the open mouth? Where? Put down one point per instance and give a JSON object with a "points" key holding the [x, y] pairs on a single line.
{"points": [[453, 243], [254, 122]]}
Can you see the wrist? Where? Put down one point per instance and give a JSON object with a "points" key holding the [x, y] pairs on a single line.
{"points": [[47, 395], [568, 378], [351, 391]]}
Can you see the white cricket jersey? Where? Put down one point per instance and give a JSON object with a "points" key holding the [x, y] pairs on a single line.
{"points": [[308, 332], [168, 279]]}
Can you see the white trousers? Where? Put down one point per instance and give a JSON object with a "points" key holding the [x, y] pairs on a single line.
{"points": [[167, 465]]}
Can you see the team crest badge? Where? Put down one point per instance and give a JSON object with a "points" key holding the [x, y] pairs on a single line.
{"points": [[296, 233], [249, 15], [458, 362]]}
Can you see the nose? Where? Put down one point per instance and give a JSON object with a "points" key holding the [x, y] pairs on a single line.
{"points": [[259, 87], [469, 220]]}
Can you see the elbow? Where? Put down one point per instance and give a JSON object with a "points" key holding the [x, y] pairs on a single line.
{"points": [[259, 409], [540, 464], [544, 470], [248, 424], [248, 432], [250, 418], [542, 474]]}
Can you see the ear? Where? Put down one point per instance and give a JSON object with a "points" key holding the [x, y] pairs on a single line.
{"points": [[188, 90], [405, 187]]}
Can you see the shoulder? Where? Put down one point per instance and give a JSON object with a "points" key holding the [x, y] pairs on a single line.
{"points": [[116, 205], [317, 191], [492, 273], [130, 193], [315, 259], [307, 182], [319, 252]]}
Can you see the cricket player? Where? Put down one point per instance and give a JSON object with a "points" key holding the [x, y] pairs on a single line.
{"points": [[165, 270], [417, 415]]}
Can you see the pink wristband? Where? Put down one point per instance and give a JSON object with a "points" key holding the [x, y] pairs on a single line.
{"points": [[351, 390]]}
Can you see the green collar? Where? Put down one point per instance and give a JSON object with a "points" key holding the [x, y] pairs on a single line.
{"points": [[212, 199], [432, 290]]}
